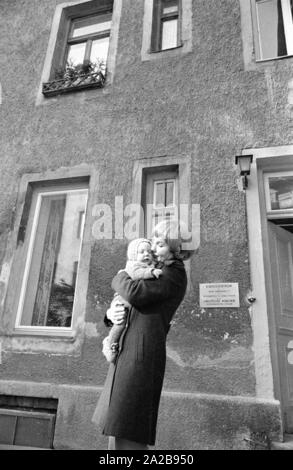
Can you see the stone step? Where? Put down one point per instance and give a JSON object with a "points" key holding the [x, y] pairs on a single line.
{"points": [[13, 447], [287, 444]]}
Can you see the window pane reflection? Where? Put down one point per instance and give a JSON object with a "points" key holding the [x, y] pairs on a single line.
{"points": [[76, 53], [54, 261], [91, 25], [99, 51], [169, 34], [170, 194], [271, 29], [164, 193], [170, 6], [160, 194], [281, 192]]}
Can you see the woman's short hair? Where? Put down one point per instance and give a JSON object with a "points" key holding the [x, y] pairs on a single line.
{"points": [[174, 233]]}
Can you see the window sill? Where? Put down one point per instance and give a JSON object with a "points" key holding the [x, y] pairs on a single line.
{"points": [[182, 48], [253, 64], [14, 447], [66, 85], [262, 61], [166, 50], [64, 333]]}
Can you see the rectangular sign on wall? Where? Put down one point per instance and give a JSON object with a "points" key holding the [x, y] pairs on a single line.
{"points": [[221, 295]]}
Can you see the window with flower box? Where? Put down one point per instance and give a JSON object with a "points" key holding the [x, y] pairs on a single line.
{"points": [[81, 50]]}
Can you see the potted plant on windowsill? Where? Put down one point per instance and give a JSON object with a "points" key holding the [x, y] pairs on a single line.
{"points": [[76, 77]]}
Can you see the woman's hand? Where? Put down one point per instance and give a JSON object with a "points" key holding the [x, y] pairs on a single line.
{"points": [[116, 313], [157, 272]]}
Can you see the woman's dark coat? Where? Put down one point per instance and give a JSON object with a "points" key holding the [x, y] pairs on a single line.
{"points": [[128, 406]]}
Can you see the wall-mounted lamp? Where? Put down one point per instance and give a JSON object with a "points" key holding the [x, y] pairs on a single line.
{"points": [[244, 162]]}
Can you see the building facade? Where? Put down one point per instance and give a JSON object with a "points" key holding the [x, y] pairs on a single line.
{"points": [[115, 113]]}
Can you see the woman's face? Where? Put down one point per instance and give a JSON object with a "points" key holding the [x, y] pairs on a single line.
{"points": [[161, 249]]}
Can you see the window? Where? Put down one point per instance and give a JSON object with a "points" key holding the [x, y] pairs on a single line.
{"points": [[164, 202], [167, 29], [48, 288], [166, 32], [88, 40], [162, 186], [27, 422], [161, 196], [164, 193], [273, 28], [80, 47]]}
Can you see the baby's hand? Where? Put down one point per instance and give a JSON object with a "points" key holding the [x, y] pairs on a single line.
{"points": [[157, 273]]}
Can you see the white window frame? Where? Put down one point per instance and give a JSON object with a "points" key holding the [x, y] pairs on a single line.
{"points": [[44, 329], [288, 30]]}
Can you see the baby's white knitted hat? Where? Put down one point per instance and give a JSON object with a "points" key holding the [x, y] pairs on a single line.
{"points": [[133, 248]]}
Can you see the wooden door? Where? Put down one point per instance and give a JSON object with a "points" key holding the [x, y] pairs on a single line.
{"points": [[281, 258]]}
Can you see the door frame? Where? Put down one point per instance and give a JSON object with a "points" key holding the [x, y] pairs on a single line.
{"points": [[262, 317]]}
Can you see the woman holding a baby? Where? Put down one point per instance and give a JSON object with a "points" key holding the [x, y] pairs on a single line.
{"points": [[148, 293]]}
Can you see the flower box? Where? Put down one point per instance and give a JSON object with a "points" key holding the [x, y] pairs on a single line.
{"points": [[74, 82]]}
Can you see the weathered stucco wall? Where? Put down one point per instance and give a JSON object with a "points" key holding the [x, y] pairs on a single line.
{"points": [[204, 104]]}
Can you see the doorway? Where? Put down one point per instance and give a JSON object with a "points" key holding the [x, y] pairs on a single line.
{"points": [[281, 261], [278, 188]]}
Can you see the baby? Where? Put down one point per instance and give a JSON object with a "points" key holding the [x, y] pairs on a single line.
{"points": [[140, 265]]}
